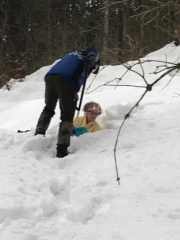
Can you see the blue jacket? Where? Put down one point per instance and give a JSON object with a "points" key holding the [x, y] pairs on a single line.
{"points": [[71, 67]]}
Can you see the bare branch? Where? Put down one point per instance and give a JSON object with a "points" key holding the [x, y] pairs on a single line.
{"points": [[106, 84], [126, 86], [119, 131], [170, 80], [163, 75], [149, 87], [95, 78]]}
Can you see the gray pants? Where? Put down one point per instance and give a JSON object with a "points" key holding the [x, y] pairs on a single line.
{"points": [[58, 88]]}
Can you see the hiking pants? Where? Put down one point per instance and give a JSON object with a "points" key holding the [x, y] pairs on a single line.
{"points": [[59, 88]]}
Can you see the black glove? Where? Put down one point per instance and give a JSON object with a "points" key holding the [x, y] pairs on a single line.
{"points": [[176, 42]]}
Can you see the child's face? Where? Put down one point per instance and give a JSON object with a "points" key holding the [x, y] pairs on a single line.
{"points": [[91, 115]]}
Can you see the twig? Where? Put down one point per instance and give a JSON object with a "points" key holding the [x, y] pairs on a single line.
{"points": [[120, 128], [95, 78], [170, 80], [148, 88]]}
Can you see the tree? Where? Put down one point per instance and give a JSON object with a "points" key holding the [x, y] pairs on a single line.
{"points": [[36, 33]]}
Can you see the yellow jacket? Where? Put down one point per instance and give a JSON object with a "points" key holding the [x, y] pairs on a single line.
{"points": [[91, 127]]}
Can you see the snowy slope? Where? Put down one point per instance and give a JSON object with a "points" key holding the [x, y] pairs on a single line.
{"points": [[78, 197]]}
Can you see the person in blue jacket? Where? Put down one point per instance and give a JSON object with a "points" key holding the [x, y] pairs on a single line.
{"points": [[62, 83]]}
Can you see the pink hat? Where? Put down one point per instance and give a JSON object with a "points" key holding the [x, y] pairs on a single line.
{"points": [[90, 106]]}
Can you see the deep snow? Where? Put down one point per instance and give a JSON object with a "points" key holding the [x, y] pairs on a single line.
{"points": [[78, 197]]}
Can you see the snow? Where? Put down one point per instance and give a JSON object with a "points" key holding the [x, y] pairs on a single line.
{"points": [[78, 197]]}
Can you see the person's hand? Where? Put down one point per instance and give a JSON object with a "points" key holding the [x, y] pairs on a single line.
{"points": [[177, 34], [95, 68]]}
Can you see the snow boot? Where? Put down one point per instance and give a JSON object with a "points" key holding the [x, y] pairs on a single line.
{"points": [[61, 151], [39, 131], [44, 121]]}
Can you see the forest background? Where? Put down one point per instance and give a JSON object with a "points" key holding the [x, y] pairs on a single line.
{"points": [[36, 33]]}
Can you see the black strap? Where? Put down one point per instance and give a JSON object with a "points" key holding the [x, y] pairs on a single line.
{"points": [[19, 131]]}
